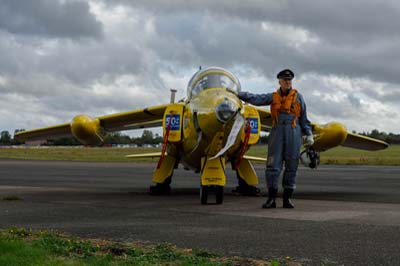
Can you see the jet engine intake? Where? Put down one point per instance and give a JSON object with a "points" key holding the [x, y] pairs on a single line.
{"points": [[226, 110]]}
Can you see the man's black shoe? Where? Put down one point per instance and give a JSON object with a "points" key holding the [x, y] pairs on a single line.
{"points": [[269, 204], [271, 199], [288, 204], [287, 195]]}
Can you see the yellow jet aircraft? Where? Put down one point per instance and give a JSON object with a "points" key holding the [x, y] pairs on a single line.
{"points": [[210, 128]]}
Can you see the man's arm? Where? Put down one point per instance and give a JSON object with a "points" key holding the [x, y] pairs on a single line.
{"points": [[305, 124], [256, 99]]}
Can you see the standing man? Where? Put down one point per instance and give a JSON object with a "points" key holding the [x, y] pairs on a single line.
{"points": [[289, 123]]}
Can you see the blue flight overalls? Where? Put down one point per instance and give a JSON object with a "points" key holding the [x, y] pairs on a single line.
{"points": [[284, 142]]}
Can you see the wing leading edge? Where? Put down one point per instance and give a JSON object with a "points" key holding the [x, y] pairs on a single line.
{"points": [[352, 140], [56, 132], [140, 118], [265, 118]]}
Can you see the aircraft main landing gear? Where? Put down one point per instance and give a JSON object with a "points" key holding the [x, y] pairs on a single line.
{"points": [[244, 189], [206, 190], [161, 188]]}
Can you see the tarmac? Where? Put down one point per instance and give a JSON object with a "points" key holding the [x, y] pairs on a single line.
{"points": [[344, 215]]}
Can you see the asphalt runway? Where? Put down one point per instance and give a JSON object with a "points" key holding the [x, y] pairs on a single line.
{"points": [[344, 215]]}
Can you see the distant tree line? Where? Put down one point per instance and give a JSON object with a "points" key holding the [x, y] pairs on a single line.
{"points": [[376, 134], [148, 137], [387, 137], [7, 139]]}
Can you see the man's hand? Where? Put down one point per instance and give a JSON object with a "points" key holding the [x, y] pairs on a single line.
{"points": [[309, 140]]}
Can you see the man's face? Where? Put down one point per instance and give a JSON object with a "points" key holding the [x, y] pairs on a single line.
{"points": [[285, 84]]}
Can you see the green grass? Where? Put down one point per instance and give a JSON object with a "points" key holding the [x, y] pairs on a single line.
{"points": [[23, 247], [342, 155], [339, 155], [86, 154]]}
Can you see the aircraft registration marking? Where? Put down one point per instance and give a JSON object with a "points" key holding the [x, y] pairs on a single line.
{"points": [[175, 121], [253, 125]]}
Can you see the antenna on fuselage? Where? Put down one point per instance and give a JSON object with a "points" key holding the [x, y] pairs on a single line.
{"points": [[173, 92]]}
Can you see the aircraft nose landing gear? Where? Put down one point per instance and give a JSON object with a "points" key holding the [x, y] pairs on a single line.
{"points": [[206, 190]]}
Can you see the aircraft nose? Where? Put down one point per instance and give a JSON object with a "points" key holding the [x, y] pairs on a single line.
{"points": [[226, 110]]}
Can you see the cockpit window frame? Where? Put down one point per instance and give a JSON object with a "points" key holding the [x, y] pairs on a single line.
{"points": [[193, 83]]}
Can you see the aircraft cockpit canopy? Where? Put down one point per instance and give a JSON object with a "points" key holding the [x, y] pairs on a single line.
{"points": [[213, 77]]}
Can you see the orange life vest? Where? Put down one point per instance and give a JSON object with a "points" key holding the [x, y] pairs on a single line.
{"points": [[285, 104]]}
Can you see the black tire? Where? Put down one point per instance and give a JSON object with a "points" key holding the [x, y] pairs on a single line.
{"points": [[219, 194], [203, 194]]}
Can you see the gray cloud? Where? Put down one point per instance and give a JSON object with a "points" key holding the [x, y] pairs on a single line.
{"points": [[49, 18], [128, 53], [388, 93], [350, 19], [354, 100], [355, 38]]}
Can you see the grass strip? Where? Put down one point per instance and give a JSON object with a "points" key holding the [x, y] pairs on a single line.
{"points": [[338, 155], [24, 247]]}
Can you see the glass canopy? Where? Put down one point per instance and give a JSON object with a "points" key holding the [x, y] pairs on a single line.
{"points": [[213, 77]]}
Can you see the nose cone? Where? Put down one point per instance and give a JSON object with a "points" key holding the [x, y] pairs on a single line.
{"points": [[226, 110]]}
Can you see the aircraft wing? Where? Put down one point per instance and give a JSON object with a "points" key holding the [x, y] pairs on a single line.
{"points": [[265, 117], [364, 143], [140, 118], [56, 132], [352, 140]]}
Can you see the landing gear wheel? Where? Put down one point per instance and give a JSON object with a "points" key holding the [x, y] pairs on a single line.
{"points": [[204, 194], [161, 188], [219, 194], [217, 190], [243, 189]]}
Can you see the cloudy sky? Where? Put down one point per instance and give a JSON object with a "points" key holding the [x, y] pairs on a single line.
{"points": [[67, 57]]}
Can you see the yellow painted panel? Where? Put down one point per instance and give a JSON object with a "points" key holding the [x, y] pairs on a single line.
{"points": [[124, 120], [213, 172], [255, 125], [166, 169], [328, 136], [246, 171]]}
